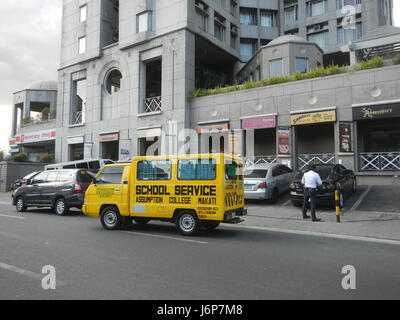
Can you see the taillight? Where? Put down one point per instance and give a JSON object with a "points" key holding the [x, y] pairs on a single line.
{"points": [[78, 188], [263, 186], [23, 182]]}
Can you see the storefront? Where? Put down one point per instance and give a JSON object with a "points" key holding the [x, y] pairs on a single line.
{"points": [[109, 146], [214, 137], [34, 144], [378, 136], [149, 141], [76, 146], [260, 136], [314, 137]]}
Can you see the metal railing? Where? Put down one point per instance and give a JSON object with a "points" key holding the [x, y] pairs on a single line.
{"points": [[305, 160], [379, 161], [152, 104], [251, 161], [77, 118]]}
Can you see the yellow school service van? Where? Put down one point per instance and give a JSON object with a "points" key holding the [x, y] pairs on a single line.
{"points": [[193, 191]]}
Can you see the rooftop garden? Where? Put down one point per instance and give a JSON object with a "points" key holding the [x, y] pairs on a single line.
{"points": [[375, 62]]}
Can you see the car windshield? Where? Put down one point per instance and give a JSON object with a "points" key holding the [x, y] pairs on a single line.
{"points": [[30, 175], [323, 171], [256, 173]]}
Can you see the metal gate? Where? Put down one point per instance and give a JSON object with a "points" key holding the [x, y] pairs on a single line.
{"points": [[304, 160]]}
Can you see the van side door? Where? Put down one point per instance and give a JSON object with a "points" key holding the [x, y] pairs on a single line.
{"points": [[34, 191]]}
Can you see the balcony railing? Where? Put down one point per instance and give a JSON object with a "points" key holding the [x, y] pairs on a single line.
{"points": [[379, 161], [251, 161], [304, 160], [152, 104], [77, 118]]}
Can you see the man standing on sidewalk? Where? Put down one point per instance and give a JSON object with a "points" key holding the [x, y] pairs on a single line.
{"points": [[311, 180]]}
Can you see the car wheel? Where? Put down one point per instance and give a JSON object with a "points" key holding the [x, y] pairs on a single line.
{"points": [[141, 221], [211, 225], [188, 224], [110, 218], [20, 205], [60, 207], [275, 196], [354, 185]]}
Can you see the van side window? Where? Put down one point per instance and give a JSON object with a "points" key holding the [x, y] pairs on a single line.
{"points": [[40, 178], [95, 165], [110, 176], [66, 176], [201, 169], [82, 165], [70, 166], [154, 170]]}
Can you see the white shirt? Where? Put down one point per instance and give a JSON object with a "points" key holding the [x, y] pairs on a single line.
{"points": [[311, 180]]}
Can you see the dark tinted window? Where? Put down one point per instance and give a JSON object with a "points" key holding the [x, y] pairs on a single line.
{"points": [[108, 162], [40, 178], [286, 169], [94, 165], [256, 173], [85, 177], [83, 165], [70, 166], [111, 176], [277, 171]]}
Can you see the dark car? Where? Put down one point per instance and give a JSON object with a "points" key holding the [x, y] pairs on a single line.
{"points": [[334, 177], [20, 182], [58, 189]]}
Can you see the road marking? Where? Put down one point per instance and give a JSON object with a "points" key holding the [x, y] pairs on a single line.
{"points": [[15, 217], [286, 203], [163, 237], [358, 202], [323, 235], [26, 273]]}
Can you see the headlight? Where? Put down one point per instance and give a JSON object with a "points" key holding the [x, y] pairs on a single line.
{"points": [[292, 186]]}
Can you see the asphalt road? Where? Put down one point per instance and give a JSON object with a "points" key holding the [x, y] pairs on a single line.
{"points": [[154, 262]]}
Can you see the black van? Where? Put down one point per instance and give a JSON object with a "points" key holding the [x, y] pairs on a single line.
{"points": [[58, 189]]}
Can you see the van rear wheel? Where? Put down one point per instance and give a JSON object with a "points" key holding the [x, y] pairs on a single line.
{"points": [[188, 224], [60, 207], [110, 218]]}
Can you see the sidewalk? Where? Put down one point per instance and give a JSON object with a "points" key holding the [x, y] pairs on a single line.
{"points": [[371, 224]]}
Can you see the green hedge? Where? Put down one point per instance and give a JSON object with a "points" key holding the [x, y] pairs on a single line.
{"points": [[375, 62], [20, 157]]}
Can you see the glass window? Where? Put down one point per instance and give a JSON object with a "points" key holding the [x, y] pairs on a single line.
{"points": [[256, 173], [248, 16], [94, 165], [267, 18], [52, 176], [321, 39], [67, 176], [316, 8], [248, 47], [202, 169], [154, 170], [302, 65], [82, 45], [85, 177], [110, 176], [82, 165], [83, 13], [290, 14], [40, 178], [275, 68], [144, 21], [113, 82]]}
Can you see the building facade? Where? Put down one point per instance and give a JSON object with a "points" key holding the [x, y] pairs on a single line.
{"points": [[128, 68]]}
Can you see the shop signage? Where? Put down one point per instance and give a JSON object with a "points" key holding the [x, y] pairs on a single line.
{"points": [[259, 123], [345, 136], [214, 128], [40, 136], [149, 133], [313, 117], [284, 140], [75, 140], [109, 137], [376, 112]]}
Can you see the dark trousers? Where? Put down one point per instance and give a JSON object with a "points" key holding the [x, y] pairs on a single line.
{"points": [[310, 196]]}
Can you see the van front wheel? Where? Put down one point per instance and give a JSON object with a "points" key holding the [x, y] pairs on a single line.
{"points": [[188, 224], [110, 218]]}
